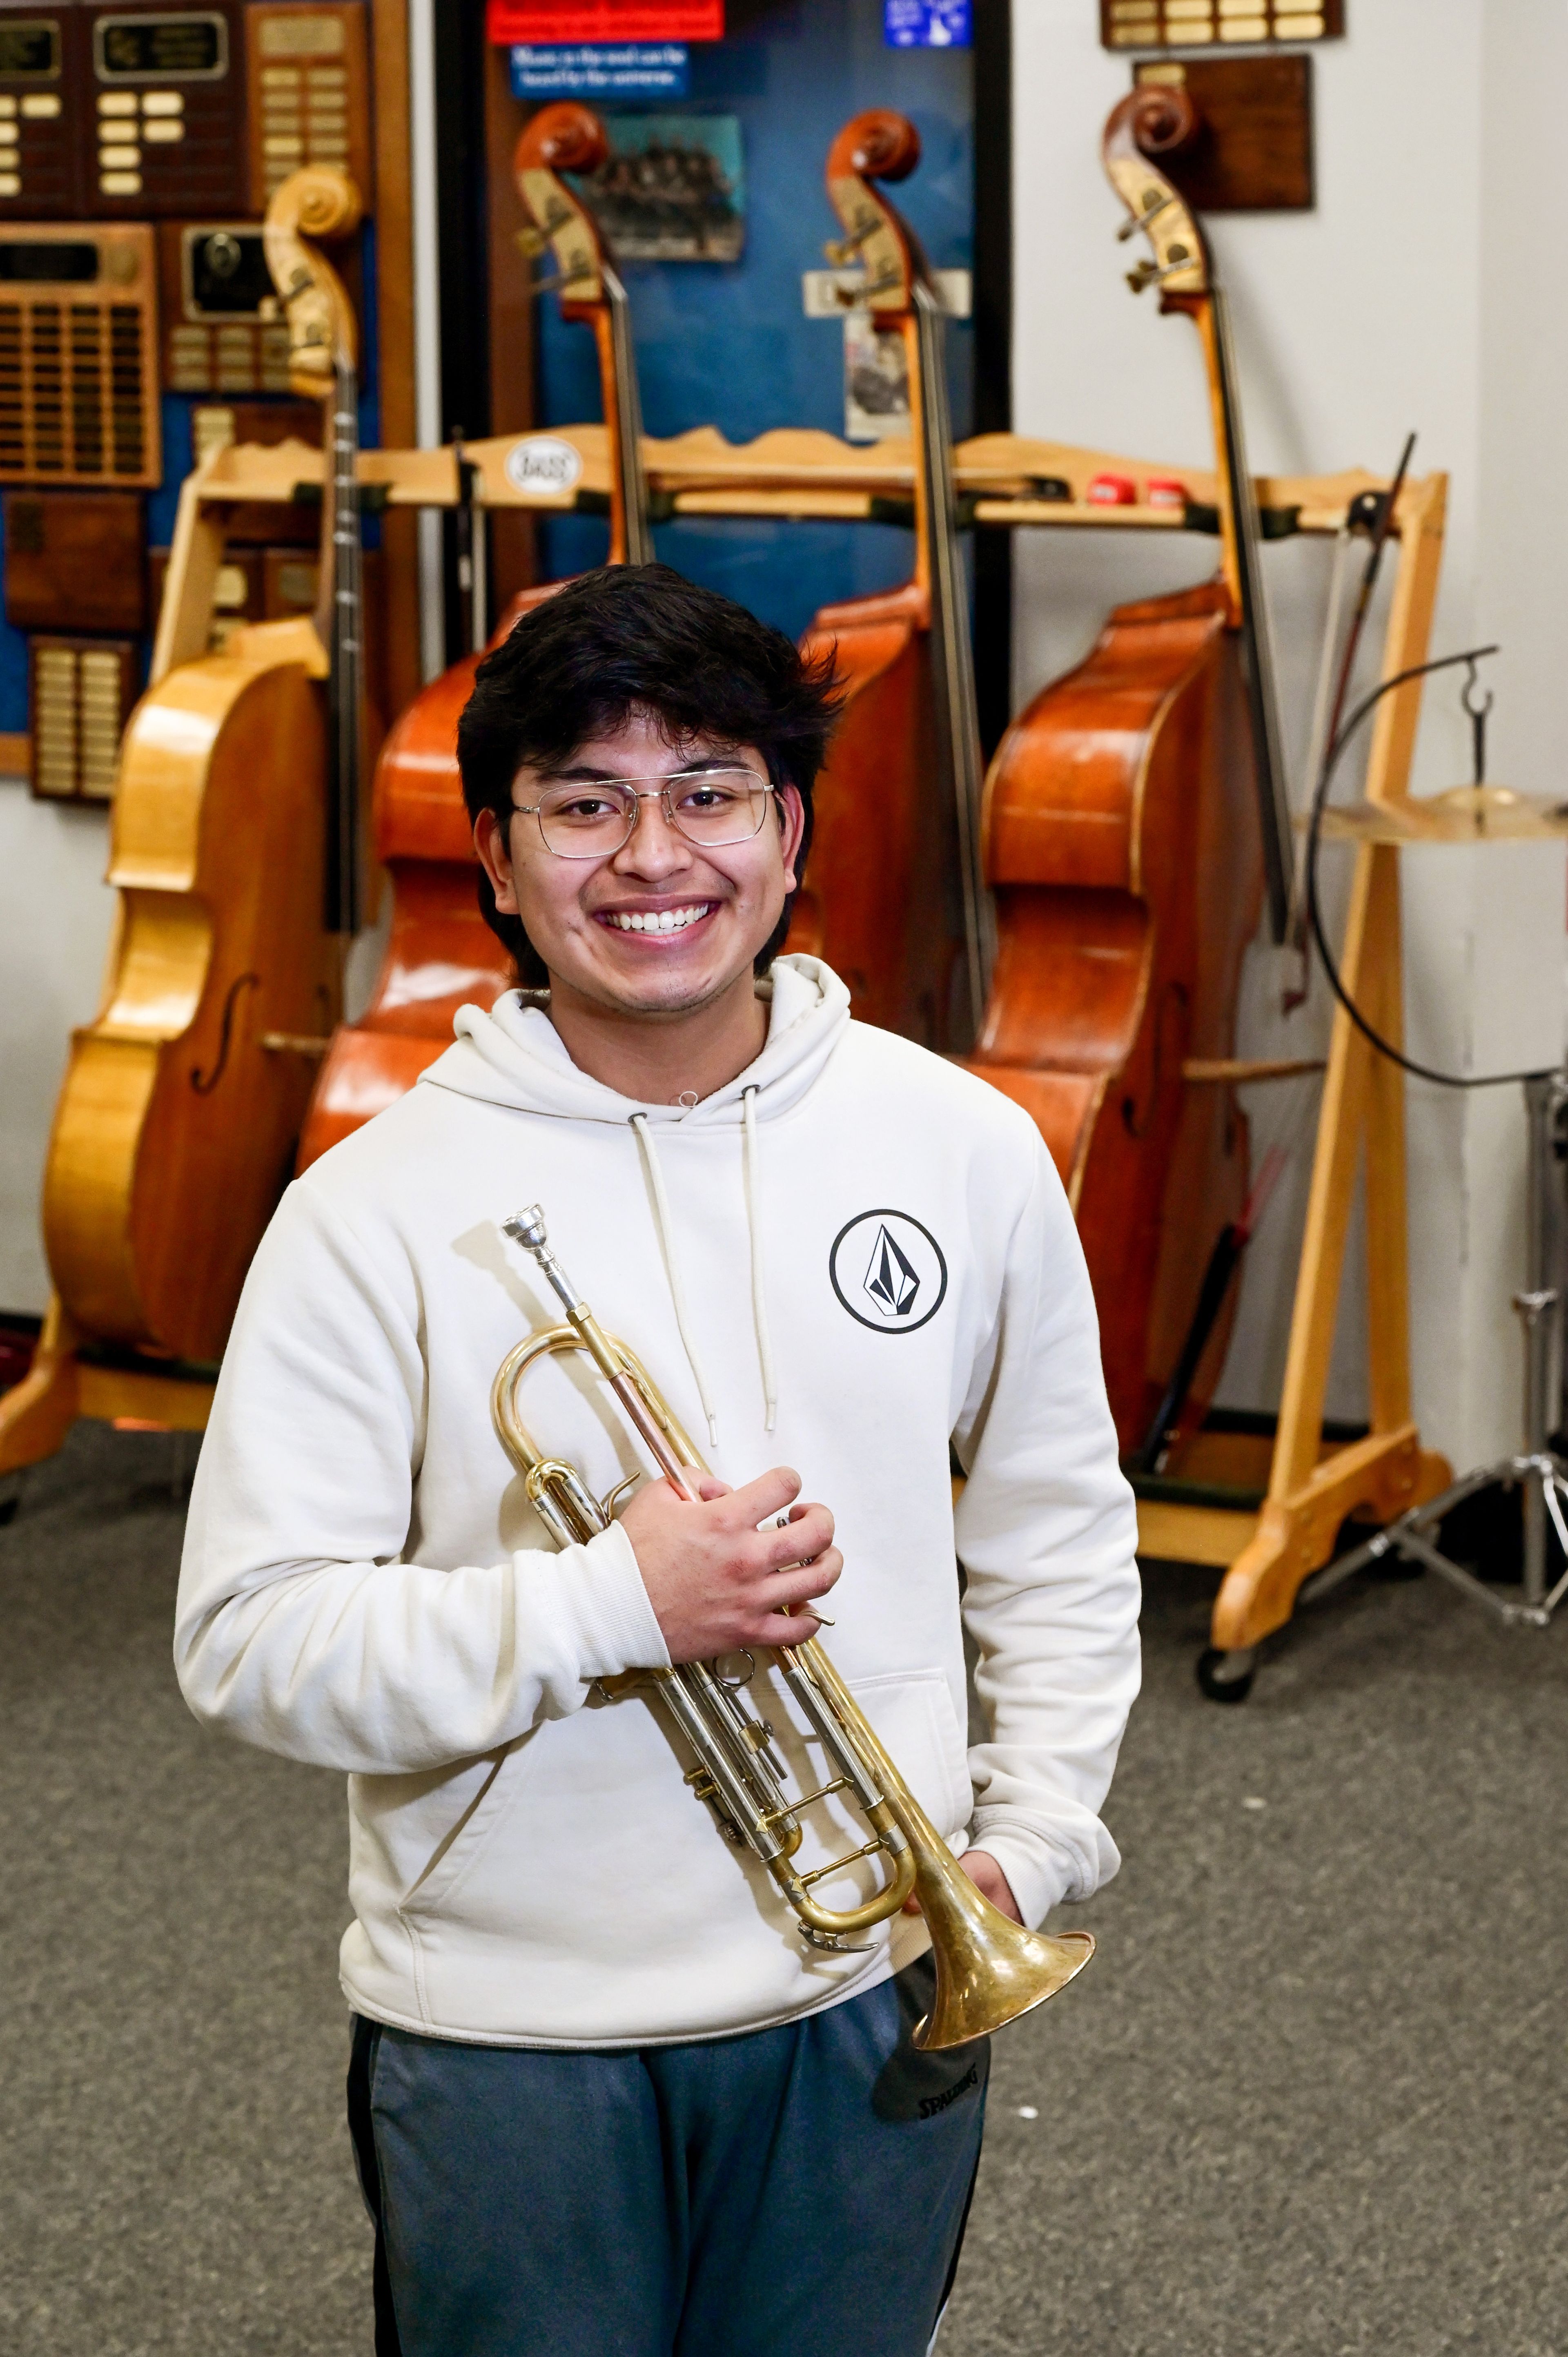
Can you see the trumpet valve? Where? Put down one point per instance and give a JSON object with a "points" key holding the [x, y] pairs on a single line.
{"points": [[705, 1789]]}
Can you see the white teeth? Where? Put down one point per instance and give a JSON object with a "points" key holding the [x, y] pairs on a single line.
{"points": [[658, 920]]}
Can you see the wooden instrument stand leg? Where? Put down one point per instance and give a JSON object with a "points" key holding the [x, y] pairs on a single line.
{"points": [[36, 1414], [1363, 1105], [1310, 1494]]}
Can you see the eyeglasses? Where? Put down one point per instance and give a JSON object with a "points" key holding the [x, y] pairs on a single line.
{"points": [[594, 819]]}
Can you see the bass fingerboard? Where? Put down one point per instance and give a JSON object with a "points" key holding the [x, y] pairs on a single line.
{"points": [[346, 659]]}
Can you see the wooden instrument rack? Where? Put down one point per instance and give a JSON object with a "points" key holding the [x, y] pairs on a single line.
{"points": [[1310, 1487], [1267, 1552]]}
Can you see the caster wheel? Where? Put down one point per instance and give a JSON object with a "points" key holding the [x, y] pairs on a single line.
{"points": [[1226, 1677]]}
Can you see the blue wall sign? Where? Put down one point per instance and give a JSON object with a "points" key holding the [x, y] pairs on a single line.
{"points": [[600, 69], [927, 24]]}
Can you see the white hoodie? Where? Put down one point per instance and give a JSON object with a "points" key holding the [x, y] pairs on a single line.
{"points": [[850, 1253]]}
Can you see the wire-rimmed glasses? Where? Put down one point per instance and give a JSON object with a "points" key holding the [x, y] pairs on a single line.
{"points": [[593, 819]]}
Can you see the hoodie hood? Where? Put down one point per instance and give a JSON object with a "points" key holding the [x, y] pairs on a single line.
{"points": [[513, 1055]]}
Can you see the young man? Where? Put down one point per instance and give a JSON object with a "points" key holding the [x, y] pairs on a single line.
{"points": [[605, 2097]]}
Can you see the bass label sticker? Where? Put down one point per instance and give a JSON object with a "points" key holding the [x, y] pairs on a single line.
{"points": [[543, 464]]}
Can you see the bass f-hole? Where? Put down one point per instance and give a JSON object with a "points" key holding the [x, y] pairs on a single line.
{"points": [[1175, 1006], [205, 1082]]}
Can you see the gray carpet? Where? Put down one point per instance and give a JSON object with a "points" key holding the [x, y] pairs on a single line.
{"points": [[1310, 2097]]}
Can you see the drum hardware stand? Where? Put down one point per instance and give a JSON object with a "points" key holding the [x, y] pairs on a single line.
{"points": [[1538, 1471]]}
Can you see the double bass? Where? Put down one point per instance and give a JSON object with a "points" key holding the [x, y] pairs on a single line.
{"points": [[233, 849], [1134, 815], [441, 954], [894, 899]]}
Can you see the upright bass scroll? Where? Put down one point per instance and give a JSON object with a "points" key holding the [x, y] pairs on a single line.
{"points": [[895, 900]]}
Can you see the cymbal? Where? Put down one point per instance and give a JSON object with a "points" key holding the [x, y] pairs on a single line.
{"points": [[1463, 815]]}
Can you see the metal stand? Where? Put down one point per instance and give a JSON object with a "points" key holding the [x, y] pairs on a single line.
{"points": [[1538, 1471]]}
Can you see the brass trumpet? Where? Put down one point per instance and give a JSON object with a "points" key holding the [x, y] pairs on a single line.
{"points": [[989, 1970]]}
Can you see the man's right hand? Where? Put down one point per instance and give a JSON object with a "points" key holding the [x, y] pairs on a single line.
{"points": [[717, 1583]]}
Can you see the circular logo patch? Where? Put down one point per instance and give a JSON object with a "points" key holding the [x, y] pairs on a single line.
{"points": [[888, 1272], [543, 463]]}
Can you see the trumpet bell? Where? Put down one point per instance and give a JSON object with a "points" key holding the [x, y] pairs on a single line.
{"points": [[990, 1970], [983, 1988]]}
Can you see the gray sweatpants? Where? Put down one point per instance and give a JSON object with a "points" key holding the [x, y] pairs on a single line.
{"points": [[794, 2192]]}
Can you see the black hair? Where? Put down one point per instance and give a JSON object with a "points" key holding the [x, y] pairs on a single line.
{"points": [[640, 638]]}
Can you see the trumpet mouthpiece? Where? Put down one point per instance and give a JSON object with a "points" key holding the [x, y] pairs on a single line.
{"points": [[526, 1228]]}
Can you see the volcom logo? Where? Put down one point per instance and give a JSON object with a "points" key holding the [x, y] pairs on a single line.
{"points": [[890, 1280], [888, 1272]]}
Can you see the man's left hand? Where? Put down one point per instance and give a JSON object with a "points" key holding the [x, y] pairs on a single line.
{"points": [[988, 1879]]}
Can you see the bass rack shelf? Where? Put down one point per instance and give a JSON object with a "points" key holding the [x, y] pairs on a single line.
{"points": [[1314, 1483]]}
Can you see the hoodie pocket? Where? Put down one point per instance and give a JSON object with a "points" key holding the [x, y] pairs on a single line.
{"points": [[912, 1712], [482, 1802]]}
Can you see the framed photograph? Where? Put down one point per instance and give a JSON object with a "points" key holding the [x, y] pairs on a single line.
{"points": [[672, 188], [875, 381]]}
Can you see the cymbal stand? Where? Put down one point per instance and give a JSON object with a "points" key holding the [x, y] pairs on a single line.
{"points": [[1537, 1470]]}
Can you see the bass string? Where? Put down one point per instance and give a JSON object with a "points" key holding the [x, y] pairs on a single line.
{"points": [[345, 668], [633, 485], [1273, 807], [954, 666]]}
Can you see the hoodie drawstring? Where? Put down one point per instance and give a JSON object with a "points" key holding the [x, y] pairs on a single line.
{"points": [[665, 1225], [754, 1224], [672, 1269]]}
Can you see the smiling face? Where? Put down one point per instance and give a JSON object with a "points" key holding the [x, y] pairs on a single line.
{"points": [[665, 926]]}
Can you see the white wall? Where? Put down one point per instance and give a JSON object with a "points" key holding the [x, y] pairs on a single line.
{"points": [[55, 915], [1411, 296], [56, 918]]}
